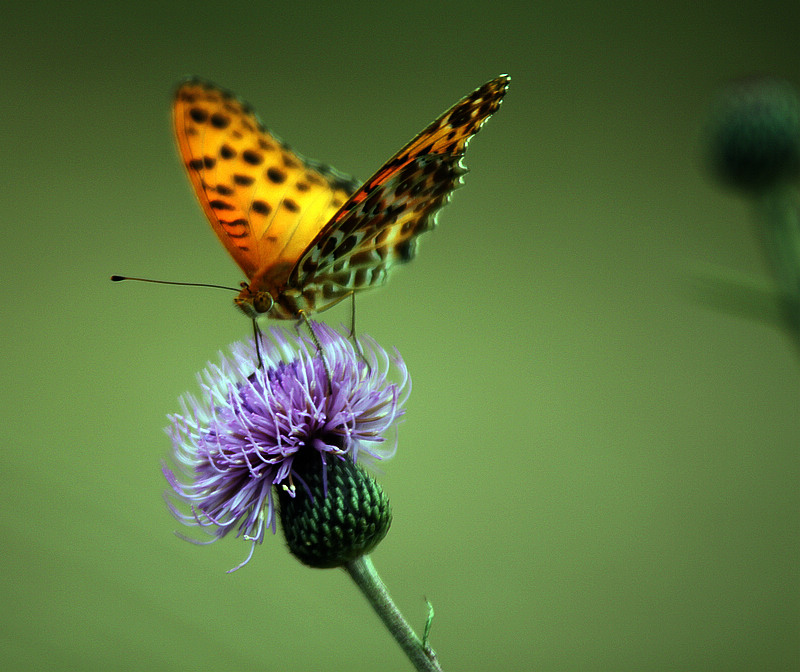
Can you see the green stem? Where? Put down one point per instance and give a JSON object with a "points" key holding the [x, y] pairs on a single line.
{"points": [[362, 571], [779, 230]]}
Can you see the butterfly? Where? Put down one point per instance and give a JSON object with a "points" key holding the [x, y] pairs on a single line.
{"points": [[305, 235]]}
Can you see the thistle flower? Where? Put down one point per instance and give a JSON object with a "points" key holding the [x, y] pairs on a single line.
{"points": [[298, 424]]}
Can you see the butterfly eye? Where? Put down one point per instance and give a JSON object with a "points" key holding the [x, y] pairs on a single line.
{"points": [[263, 302], [253, 304]]}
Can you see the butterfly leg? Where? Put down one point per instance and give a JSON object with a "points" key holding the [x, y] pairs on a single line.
{"points": [[303, 317], [257, 336], [353, 336]]}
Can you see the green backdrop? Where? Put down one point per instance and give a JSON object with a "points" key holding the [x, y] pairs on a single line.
{"points": [[596, 472]]}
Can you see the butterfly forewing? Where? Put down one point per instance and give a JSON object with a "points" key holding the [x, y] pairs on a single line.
{"points": [[265, 202], [378, 225]]}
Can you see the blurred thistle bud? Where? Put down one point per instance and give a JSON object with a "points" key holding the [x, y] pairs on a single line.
{"points": [[753, 134]]}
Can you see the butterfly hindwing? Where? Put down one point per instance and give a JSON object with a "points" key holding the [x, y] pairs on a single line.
{"points": [[381, 230], [378, 225]]}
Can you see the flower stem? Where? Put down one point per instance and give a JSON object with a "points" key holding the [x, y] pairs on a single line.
{"points": [[779, 229], [362, 571]]}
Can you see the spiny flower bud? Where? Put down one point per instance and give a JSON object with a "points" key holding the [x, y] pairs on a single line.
{"points": [[338, 514]]}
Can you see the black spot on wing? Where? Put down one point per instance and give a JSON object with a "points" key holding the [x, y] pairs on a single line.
{"points": [[261, 207], [243, 180], [276, 175], [328, 247], [406, 250], [198, 115], [347, 245], [252, 157], [220, 120]]}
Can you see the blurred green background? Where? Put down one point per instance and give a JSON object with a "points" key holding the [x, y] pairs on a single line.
{"points": [[597, 472]]}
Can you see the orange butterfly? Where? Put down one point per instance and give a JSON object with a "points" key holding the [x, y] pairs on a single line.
{"points": [[304, 234]]}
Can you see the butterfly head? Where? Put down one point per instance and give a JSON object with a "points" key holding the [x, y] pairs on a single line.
{"points": [[253, 304]]}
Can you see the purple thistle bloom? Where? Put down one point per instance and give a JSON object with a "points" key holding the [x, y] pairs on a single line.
{"points": [[240, 437]]}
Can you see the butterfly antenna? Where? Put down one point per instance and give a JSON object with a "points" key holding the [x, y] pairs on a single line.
{"points": [[353, 336], [304, 318], [120, 278]]}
